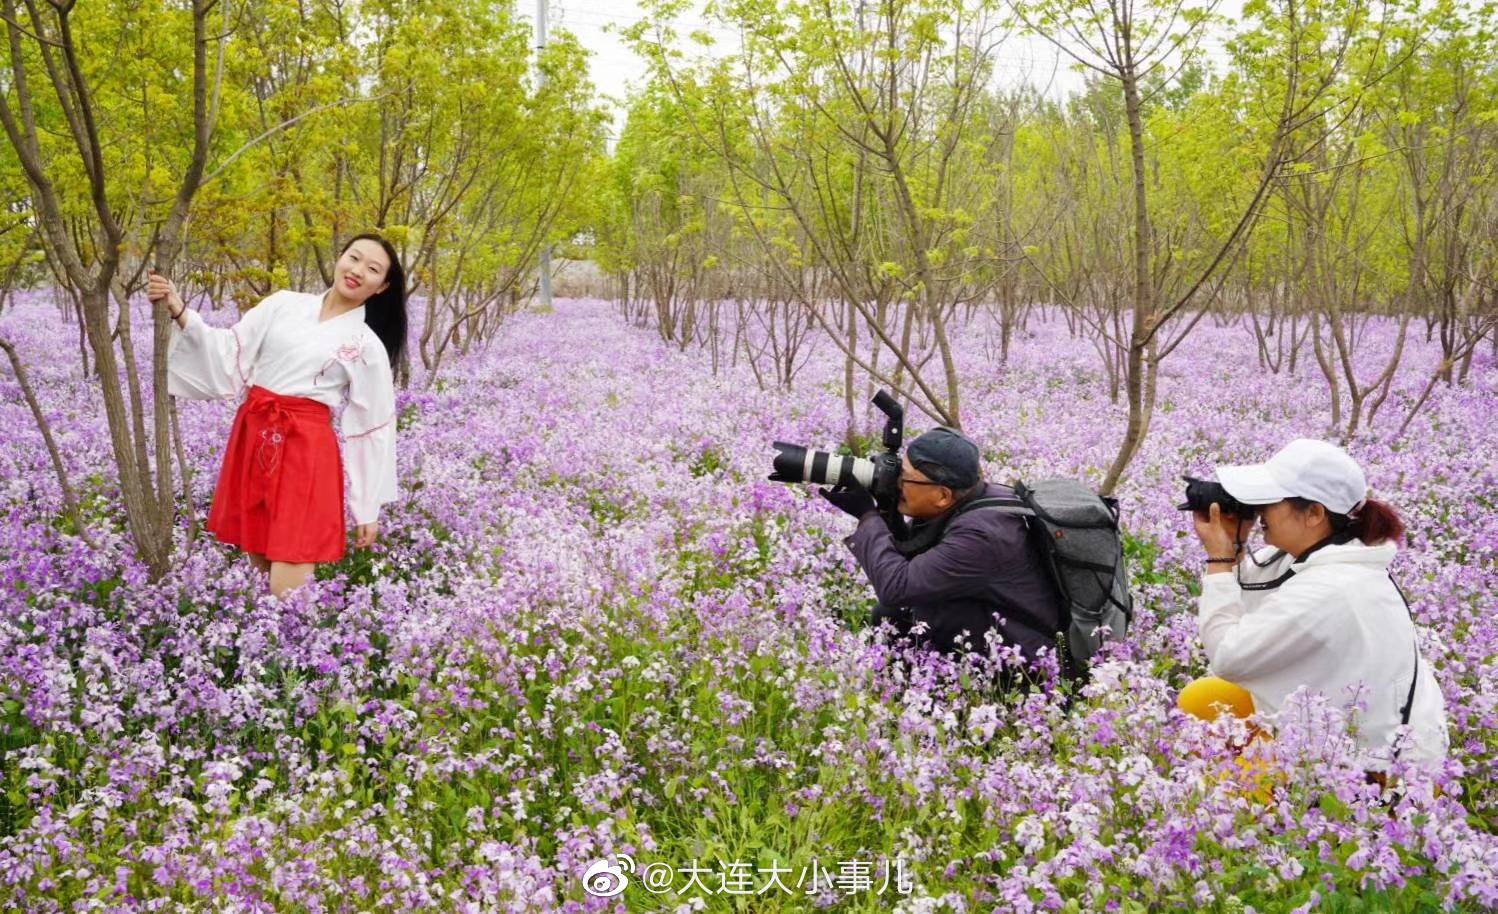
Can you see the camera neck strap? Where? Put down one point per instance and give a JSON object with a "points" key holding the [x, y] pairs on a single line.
{"points": [[1264, 585], [1256, 586], [1336, 539]]}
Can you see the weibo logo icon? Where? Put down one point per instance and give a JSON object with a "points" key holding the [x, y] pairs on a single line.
{"points": [[605, 878]]}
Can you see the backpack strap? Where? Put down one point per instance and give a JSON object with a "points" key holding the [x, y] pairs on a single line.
{"points": [[1012, 506], [1409, 699], [1017, 508]]}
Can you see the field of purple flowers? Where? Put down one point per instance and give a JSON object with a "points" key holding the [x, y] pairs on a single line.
{"points": [[591, 628]]}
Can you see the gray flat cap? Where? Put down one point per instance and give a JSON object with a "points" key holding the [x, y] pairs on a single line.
{"points": [[946, 457]]}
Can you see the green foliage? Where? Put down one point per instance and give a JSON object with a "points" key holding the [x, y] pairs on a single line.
{"points": [[1333, 158], [16, 733], [433, 127], [710, 461]]}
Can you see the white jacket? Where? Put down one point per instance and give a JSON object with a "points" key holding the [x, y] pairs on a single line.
{"points": [[1340, 627]]}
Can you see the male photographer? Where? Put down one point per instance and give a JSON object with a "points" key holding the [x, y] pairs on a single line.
{"points": [[951, 569]]}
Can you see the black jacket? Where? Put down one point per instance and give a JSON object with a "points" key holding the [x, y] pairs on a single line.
{"points": [[982, 563]]}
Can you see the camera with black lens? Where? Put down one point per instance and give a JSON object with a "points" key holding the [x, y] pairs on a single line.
{"points": [[1201, 493], [879, 474]]}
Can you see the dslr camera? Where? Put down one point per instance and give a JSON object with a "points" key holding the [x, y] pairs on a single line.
{"points": [[1201, 493], [879, 474]]}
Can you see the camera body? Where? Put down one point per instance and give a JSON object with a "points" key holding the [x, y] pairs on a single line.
{"points": [[1201, 493], [879, 474]]}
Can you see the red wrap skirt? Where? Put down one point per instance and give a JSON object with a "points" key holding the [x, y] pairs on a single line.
{"points": [[280, 490]]}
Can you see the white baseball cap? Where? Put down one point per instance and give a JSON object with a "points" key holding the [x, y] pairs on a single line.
{"points": [[1304, 468]]}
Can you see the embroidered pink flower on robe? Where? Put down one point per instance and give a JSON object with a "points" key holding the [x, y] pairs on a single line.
{"points": [[348, 354]]}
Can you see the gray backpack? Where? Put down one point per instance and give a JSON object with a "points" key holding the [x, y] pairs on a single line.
{"points": [[1077, 531]]}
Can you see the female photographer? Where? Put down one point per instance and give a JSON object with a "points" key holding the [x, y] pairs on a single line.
{"points": [[280, 492], [1318, 609]]}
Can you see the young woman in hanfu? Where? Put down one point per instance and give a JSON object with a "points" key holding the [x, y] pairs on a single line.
{"points": [[294, 357]]}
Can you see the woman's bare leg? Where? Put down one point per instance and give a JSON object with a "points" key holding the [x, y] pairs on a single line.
{"points": [[260, 562], [286, 576]]}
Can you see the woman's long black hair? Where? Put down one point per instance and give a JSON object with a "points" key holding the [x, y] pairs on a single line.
{"points": [[385, 312]]}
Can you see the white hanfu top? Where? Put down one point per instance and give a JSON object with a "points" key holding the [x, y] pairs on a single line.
{"points": [[280, 345]]}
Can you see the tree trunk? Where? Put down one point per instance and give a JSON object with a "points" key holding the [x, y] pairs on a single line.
{"points": [[1139, 389], [69, 498], [1328, 370]]}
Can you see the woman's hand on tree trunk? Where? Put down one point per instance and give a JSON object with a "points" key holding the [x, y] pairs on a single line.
{"points": [[159, 288]]}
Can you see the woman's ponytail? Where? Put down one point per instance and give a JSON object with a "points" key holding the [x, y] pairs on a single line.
{"points": [[1375, 523]]}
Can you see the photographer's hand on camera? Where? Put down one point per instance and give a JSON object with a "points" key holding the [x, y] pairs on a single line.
{"points": [[1222, 535], [852, 499]]}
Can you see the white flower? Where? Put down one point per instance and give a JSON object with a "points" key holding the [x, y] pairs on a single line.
{"points": [[982, 723], [1030, 834]]}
